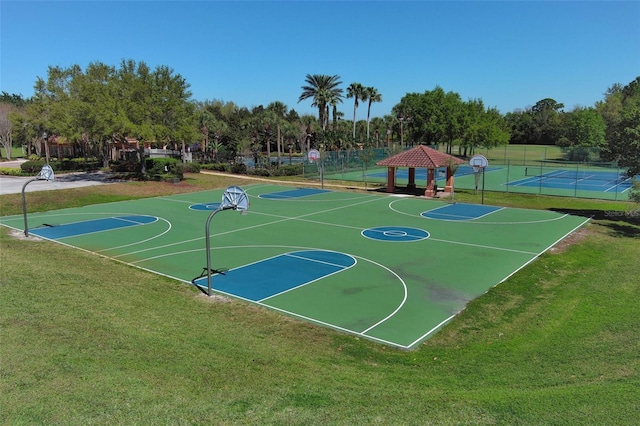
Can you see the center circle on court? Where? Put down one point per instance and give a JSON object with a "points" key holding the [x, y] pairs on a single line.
{"points": [[401, 234], [205, 206]]}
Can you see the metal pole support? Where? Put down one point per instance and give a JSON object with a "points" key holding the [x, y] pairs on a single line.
{"points": [[208, 244], [24, 206]]}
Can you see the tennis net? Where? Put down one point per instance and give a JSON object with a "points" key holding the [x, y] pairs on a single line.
{"points": [[587, 174]]}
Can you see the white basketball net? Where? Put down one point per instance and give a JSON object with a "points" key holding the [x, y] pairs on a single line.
{"points": [[46, 173]]}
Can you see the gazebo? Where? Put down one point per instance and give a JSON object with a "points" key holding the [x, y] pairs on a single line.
{"points": [[421, 157]]}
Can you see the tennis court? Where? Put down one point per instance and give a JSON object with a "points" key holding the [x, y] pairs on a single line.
{"points": [[386, 268], [583, 180], [542, 178]]}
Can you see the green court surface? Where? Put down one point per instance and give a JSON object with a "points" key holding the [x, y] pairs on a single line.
{"points": [[386, 268]]}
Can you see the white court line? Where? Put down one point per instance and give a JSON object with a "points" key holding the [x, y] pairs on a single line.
{"points": [[261, 303], [284, 219], [306, 259]]}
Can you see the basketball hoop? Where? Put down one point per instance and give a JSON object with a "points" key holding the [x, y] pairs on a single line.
{"points": [[233, 198], [45, 174], [479, 163]]}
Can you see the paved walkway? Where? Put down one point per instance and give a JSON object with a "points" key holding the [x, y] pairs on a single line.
{"points": [[14, 184]]}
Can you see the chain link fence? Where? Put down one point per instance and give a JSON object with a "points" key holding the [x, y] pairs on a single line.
{"points": [[544, 170]]}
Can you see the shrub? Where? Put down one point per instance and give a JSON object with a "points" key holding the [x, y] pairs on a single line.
{"points": [[191, 167], [634, 194], [219, 167], [239, 168], [64, 165], [260, 172], [291, 170], [33, 166], [125, 166], [9, 171], [164, 168]]}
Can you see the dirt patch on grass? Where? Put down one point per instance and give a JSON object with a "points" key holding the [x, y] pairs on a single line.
{"points": [[214, 298], [19, 235], [575, 237]]}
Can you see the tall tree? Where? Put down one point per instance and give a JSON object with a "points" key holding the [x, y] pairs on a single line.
{"points": [[13, 99], [5, 128], [583, 127], [520, 123], [372, 96], [547, 121], [358, 93], [279, 111], [624, 133], [323, 90]]}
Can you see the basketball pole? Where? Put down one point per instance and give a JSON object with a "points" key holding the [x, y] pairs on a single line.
{"points": [[45, 174], [208, 242], [483, 185], [24, 206], [479, 162], [230, 201]]}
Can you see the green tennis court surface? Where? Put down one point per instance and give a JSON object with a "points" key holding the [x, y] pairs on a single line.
{"points": [[390, 269]]}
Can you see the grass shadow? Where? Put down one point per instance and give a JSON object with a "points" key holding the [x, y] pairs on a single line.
{"points": [[622, 223]]}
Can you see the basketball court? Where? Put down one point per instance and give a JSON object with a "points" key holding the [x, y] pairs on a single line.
{"points": [[386, 268]]}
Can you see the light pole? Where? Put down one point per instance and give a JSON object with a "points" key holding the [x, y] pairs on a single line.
{"points": [[403, 118], [290, 146], [46, 146]]}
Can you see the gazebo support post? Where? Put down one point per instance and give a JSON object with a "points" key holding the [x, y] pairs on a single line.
{"points": [[391, 179], [412, 178], [448, 188], [430, 192]]}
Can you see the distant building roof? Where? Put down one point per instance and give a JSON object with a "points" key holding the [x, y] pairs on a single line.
{"points": [[420, 157]]}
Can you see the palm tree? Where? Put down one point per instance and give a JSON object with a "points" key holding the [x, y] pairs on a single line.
{"points": [[373, 96], [378, 125], [279, 110], [356, 91], [324, 91]]}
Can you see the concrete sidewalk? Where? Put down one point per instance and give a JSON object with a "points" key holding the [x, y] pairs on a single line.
{"points": [[14, 184]]}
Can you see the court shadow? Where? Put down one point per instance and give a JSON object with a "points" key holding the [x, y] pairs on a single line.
{"points": [[202, 290], [402, 190], [622, 223]]}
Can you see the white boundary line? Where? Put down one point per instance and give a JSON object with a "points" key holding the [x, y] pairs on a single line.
{"points": [[317, 321], [313, 320]]}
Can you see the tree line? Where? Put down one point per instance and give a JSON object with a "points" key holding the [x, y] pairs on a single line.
{"points": [[96, 107]]}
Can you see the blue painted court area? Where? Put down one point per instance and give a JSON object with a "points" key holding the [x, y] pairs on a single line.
{"points": [[56, 232], [294, 193], [270, 277], [460, 211]]}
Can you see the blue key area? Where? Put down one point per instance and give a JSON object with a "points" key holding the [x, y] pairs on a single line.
{"points": [[294, 193], [273, 276], [460, 211], [56, 232]]}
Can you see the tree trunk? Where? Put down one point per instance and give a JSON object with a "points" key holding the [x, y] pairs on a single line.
{"points": [[278, 145]]}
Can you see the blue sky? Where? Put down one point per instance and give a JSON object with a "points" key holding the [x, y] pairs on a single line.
{"points": [[510, 54]]}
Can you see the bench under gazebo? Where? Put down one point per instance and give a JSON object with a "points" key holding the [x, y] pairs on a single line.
{"points": [[421, 157]]}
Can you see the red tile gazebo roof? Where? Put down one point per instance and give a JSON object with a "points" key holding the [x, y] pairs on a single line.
{"points": [[420, 157]]}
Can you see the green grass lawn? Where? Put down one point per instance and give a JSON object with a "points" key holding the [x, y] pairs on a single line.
{"points": [[86, 340]]}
